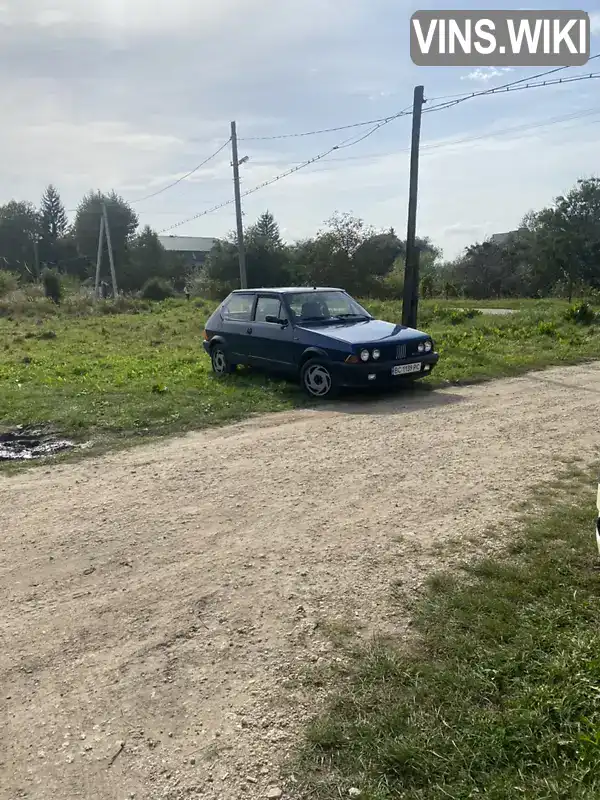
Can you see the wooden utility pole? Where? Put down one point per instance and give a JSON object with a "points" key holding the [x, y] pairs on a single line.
{"points": [[411, 269], [99, 258], [110, 250], [238, 207]]}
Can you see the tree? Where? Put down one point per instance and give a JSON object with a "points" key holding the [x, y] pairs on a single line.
{"points": [[53, 224], [147, 259], [267, 259], [122, 221], [330, 258], [19, 234], [374, 259], [265, 232], [565, 238]]}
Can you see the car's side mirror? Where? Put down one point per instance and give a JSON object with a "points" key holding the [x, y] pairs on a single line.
{"points": [[276, 320]]}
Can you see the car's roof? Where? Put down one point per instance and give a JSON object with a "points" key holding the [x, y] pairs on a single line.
{"points": [[290, 289]]}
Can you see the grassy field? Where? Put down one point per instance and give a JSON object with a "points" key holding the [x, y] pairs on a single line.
{"points": [[92, 373], [499, 693]]}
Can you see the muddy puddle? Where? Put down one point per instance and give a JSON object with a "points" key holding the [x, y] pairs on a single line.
{"points": [[25, 444]]}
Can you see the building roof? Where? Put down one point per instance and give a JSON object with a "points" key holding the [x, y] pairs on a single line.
{"points": [[501, 238], [187, 244]]}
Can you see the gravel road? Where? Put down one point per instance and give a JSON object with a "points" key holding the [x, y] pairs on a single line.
{"points": [[158, 605]]}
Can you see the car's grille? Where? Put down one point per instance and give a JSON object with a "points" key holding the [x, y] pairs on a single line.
{"points": [[400, 352]]}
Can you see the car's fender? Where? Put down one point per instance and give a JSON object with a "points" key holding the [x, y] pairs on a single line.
{"points": [[313, 352]]}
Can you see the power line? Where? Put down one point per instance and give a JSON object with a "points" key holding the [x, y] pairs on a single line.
{"points": [[277, 178], [467, 95], [522, 83], [174, 183], [512, 86], [408, 110], [451, 142], [183, 177], [384, 120]]}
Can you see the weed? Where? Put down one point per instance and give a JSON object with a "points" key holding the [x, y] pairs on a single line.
{"points": [[582, 314], [157, 289], [52, 285]]}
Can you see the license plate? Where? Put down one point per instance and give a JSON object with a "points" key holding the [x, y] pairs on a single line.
{"points": [[405, 369]]}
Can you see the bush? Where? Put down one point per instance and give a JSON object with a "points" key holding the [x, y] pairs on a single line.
{"points": [[157, 289], [455, 316], [581, 314], [52, 285], [8, 282], [546, 328]]}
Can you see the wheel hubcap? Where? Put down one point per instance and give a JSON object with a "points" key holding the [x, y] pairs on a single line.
{"points": [[219, 361], [317, 380]]}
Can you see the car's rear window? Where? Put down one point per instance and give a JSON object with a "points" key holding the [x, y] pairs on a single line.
{"points": [[238, 307]]}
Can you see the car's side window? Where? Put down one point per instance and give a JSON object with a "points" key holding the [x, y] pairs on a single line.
{"points": [[268, 307], [238, 308]]}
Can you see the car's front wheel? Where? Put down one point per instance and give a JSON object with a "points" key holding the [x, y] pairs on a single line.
{"points": [[219, 360], [318, 380]]}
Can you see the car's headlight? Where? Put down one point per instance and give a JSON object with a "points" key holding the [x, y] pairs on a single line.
{"points": [[376, 353], [421, 347], [428, 347], [364, 355]]}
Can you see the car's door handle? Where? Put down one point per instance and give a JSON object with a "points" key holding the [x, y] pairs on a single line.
{"points": [[248, 330]]}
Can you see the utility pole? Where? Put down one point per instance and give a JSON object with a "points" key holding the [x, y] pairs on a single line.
{"points": [[411, 269], [99, 257], [110, 250], [36, 252], [238, 207]]}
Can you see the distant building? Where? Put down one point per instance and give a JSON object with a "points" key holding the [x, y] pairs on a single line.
{"points": [[193, 248], [503, 238]]}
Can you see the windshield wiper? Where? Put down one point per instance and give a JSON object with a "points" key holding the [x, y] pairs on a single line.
{"points": [[353, 316]]}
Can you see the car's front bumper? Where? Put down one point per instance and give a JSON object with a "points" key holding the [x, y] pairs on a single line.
{"points": [[373, 373], [206, 346]]}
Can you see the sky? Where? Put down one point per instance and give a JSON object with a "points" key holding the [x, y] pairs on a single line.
{"points": [[131, 96]]}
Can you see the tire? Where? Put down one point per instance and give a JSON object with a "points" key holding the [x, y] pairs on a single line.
{"points": [[317, 379], [219, 360]]}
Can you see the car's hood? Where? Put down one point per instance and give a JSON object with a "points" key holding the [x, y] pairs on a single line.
{"points": [[365, 332]]}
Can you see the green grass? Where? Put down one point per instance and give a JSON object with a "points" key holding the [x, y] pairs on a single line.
{"points": [[499, 693], [114, 376], [516, 303]]}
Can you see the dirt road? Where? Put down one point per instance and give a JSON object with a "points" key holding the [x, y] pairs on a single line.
{"points": [[158, 605]]}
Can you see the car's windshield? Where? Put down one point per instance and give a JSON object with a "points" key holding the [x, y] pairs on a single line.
{"points": [[325, 307]]}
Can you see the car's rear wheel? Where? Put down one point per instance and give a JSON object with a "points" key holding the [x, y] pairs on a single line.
{"points": [[318, 380], [219, 360]]}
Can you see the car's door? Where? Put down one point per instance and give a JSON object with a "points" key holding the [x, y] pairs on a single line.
{"points": [[236, 317], [271, 346]]}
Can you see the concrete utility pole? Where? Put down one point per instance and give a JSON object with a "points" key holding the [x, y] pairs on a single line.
{"points": [[238, 207], [36, 253], [110, 250], [411, 269], [99, 258]]}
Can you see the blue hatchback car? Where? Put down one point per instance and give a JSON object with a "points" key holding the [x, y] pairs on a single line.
{"points": [[321, 336]]}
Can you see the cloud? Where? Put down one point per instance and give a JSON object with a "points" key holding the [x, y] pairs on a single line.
{"points": [[485, 74], [132, 95], [464, 231], [595, 22]]}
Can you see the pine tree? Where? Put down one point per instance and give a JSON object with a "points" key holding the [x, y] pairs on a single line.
{"points": [[53, 216], [265, 232]]}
